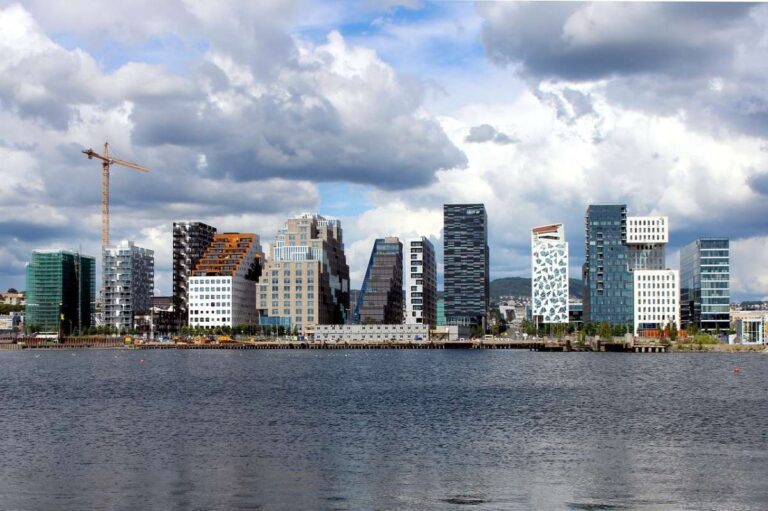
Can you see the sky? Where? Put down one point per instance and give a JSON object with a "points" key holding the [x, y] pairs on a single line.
{"points": [[378, 112]]}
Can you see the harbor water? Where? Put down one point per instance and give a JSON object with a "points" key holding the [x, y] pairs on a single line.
{"points": [[381, 429]]}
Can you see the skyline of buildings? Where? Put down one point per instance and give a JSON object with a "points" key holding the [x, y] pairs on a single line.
{"points": [[305, 280]]}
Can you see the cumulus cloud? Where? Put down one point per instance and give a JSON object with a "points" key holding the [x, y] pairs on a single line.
{"points": [[759, 183], [487, 133], [245, 129], [693, 60]]}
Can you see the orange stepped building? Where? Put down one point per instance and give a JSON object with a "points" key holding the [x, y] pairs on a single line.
{"points": [[222, 289]]}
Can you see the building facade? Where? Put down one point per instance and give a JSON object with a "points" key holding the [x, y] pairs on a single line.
{"points": [[372, 332], [380, 300], [466, 257], [656, 288], [750, 330], [549, 274], [61, 291], [440, 308], [190, 242], [705, 269], [128, 280], [607, 295], [306, 278], [420, 282], [656, 298], [222, 289]]}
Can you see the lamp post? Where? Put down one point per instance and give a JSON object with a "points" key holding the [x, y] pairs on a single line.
{"points": [[61, 320]]}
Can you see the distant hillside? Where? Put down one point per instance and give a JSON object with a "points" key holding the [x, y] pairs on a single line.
{"points": [[521, 286], [509, 286]]}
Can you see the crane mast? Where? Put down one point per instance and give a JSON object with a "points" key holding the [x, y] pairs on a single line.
{"points": [[106, 163]]}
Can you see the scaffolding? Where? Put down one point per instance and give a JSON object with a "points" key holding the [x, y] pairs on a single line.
{"points": [[61, 291]]}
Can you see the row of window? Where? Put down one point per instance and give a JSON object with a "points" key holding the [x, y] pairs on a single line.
{"points": [[298, 312], [656, 318]]}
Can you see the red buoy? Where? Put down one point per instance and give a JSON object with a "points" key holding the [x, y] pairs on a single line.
{"points": [[736, 370]]}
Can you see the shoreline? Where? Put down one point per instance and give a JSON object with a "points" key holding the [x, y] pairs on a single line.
{"points": [[563, 346]]}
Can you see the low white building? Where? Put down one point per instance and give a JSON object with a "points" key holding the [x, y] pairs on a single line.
{"points": [[341, 333], [450, 332], [657, 299], [750, 330]]}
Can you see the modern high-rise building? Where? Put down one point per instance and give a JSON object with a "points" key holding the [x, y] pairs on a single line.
{"points": [[626, 280], [608, 295], [420, 281], [128, 281], [306, 279], [705, 284], [381, 296], [465, 247], [222, 289], [549, 274], [61, 291], [190, 241], [656, 288]]}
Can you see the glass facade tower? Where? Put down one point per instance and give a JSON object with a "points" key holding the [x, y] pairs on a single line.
{"points": [[61, 286], [465, 248], [705, 284], [608, 283], [381, 297]]}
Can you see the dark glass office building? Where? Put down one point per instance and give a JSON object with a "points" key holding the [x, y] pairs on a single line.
{"points": [[465, 249], [608, 283], [61, 291], [380, 299], [190, 241], [705, 284]]}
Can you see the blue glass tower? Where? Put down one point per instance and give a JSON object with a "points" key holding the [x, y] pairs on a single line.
{"points": [[608, 283], [705, 284], [381, 297]]}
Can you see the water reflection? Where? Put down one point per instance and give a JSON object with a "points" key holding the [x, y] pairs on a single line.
{"points": [[381, 430]]}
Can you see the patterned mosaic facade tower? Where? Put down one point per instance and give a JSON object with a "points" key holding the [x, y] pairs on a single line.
{"points": [[549, 282]]}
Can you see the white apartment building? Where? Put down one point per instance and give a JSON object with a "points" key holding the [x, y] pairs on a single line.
{"points": [[549, 274], [656, 287], [657, 299], [222, 289], [128, 277], [420, 275]]}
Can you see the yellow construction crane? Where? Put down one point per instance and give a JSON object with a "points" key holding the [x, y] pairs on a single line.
{"points": [[106, 162]]}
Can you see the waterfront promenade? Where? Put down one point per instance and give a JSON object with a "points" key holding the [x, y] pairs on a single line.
{"points": [[561, 345]]}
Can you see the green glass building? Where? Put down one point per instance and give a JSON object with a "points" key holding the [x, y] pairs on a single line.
{"points": [[441, 312], [61, 286]]}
